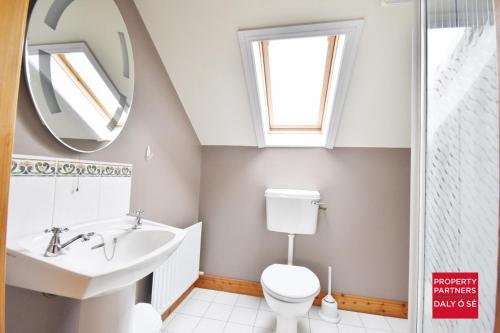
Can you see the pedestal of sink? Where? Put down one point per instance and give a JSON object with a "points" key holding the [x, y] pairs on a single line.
{"points": [[108, 313]]}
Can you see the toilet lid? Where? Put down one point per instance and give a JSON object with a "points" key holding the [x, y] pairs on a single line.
{"points": [[290, 283]]}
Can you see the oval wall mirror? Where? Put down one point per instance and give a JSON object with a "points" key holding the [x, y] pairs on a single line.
{"points": [[80, 70]]}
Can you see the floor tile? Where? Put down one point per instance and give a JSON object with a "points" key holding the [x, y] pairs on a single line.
{"points": [[223, 297], [209, 311], [265, 319], [398, 325], [204, 294], [313, 313], [246, 301], [243, 316], [374, 322], [350, 318], [351, 329], [319, 326], [183, 324], [167, 321], [184, 301], [194, 307], [303, 325], [263, 306], [261, 330], [237, 328], [218, 311], [209, 326]]}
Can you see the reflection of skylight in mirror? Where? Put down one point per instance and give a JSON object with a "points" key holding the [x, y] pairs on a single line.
{"points": [[85, 94], [86, 70], [296, 72], [66, 88]]}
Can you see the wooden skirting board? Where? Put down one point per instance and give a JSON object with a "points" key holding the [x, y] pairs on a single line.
{"points": [[364, 304]]}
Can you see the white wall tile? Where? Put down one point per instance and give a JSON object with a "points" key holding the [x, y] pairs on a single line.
{"points": [[45, 192], [76, 200], [31, 200], [114, 197]]}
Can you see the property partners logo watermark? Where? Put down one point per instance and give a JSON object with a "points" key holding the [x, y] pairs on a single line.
{"points": [[455, 295]]}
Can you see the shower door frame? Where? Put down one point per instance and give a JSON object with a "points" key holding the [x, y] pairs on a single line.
{"points": [[417, 206], [418, 153]]}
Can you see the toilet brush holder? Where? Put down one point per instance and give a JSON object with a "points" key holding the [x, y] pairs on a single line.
{"points": [[329, 309]]}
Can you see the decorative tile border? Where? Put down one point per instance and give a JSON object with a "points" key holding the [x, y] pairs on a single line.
{"points": [[40, 167]]}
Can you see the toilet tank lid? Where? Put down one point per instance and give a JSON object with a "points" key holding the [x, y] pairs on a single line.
{"points": [[295, 194]]}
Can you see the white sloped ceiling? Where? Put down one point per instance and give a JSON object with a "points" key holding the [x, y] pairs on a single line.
{"points": [[198, 44]]}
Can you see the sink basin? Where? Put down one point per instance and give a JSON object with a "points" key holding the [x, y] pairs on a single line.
{"points": [[82, 272]]}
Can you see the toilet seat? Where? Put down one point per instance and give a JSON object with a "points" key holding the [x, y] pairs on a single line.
{"points": [[288, 283]]}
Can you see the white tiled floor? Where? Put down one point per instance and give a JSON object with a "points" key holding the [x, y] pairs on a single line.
{"points": [[209, 311]]}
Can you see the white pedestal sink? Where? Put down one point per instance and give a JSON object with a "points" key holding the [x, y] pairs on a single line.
{"points": [[106, 286]]}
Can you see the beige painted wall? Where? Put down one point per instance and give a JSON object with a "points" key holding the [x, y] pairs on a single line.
{"points": [[364, 234], [167, 187]]}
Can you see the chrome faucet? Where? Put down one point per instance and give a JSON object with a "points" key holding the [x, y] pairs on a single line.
{"points": [[138, 218], [55, 247]]}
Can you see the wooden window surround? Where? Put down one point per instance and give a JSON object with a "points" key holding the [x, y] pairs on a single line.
{"points": [[327, 76]]}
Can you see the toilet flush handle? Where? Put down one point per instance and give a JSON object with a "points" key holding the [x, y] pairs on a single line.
{"points": [[319, 204]]}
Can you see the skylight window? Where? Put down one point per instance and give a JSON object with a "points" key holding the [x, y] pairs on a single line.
{"points": [[297, 78]]}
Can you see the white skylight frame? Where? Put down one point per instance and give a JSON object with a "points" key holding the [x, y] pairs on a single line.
{"points": [[350, 32]]}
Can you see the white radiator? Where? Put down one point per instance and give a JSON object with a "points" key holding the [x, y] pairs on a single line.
{"points": [[179, 272]]}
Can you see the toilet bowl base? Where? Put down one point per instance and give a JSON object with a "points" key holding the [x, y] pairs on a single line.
{"points": [[287, 314]]}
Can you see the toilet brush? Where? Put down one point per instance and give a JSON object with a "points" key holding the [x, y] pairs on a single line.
{"points": [[329, 309]]}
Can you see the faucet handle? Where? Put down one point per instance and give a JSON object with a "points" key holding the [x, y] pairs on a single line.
{"points": [[87, 236], [136, 213], [56, 230]]}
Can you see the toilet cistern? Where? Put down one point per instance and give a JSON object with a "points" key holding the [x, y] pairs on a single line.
{"points": [[290, 290], [292, 212]]}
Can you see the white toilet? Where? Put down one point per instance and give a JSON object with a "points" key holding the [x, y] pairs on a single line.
{"points": [[290, 290]]}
